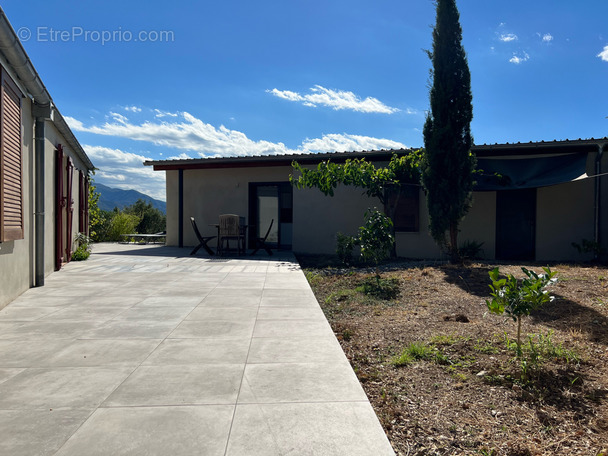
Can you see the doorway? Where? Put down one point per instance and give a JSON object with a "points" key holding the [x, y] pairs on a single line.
{"points": [[516, 224], [271, 201]]}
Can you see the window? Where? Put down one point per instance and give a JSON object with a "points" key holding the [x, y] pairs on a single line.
{"points": [[406, 205], [11, 174]]}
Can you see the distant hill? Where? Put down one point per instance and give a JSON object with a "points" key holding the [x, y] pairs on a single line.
{"points": [[115, 197]]}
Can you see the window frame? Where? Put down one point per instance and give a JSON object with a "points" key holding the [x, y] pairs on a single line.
{"points": [[408, 202]]}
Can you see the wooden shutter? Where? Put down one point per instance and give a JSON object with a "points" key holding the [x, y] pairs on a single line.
{"points": [[11, 173]]}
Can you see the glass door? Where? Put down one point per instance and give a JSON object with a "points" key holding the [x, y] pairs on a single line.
{"points": [[268, 210], [271, 201]]}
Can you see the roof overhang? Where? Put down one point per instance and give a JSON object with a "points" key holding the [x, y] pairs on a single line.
{"points": [[27, 78]]}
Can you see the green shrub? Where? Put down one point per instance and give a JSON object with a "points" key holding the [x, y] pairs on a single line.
{"points": [[344, 248], [518, 298], [81, 253], [83, 250], [121, 223], [470, 250], [375, 237]]}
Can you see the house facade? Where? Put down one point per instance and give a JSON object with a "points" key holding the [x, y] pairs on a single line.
{"points": [[44, 175], [531, 202], [547, 195]]}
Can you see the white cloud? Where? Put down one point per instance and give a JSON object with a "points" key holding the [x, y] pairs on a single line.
{"points": [[195, 138], [132, 108], [507, 37], [125, 170], [604, 54], [346, 143], [336, 99], [547, 38], [160, 113], [192, 134], [119, 117], [516, 59]]}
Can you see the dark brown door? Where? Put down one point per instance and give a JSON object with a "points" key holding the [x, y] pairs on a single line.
{"points": [[516, 224]]}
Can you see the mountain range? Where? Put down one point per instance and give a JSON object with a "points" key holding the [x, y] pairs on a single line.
{"points": [[115, 197]]}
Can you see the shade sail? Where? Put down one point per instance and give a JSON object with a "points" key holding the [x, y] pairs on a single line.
{"points": [[515, 173]]}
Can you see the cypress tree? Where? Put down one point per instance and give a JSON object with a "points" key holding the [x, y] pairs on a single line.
{"points": [[448, 164]]}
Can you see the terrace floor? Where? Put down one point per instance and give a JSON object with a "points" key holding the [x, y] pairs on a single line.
{"points": [[144, 350]]}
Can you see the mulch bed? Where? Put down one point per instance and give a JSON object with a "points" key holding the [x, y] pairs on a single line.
{"points": [[477, 399]]}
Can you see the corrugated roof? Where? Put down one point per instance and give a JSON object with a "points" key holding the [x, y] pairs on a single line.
{"points": [[539, 147]]}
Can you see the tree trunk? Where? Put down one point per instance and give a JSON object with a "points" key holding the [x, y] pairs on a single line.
{"points": [[454, 253]]}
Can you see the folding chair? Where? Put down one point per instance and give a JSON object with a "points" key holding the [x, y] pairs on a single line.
{"points": [[260, 243], [201, 239]]}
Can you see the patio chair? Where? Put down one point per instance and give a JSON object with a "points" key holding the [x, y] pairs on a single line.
{"points": [[230, 229], [202, 240], [260, 243]]}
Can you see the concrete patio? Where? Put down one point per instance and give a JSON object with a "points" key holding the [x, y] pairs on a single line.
{"points": [[144, 350]]}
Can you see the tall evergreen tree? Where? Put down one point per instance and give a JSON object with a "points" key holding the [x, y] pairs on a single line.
{"points": [[447, 163]]}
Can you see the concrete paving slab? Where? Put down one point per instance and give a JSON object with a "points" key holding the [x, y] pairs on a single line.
{"points": [[290, 313], [154, 313], [179, 385], [35, 388], [224, 313], [296, 350], [7, 373], [11, 313], [85, 312], [300, 382], [328, 429], [42, 329], [175, 431], [178, 301], [102, 353], [215, 329], [199, 351], [29, 353], [115, 329], [291, 328], [231, 300], [38, 432]]}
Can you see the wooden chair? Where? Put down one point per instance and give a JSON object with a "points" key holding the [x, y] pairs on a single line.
{"points": [[202, 240], [260, 243], [230, 229]]}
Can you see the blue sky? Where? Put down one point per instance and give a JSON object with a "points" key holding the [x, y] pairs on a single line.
{"points": [[147, 79]]}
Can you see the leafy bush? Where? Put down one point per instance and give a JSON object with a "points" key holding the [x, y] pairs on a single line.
{"points": [[83, 250], [344, 248], [375, 237], [470, 250], [121, 223], [518, 298], [81, 253]]}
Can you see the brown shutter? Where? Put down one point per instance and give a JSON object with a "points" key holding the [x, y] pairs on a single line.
{"points": [[11, 184]]}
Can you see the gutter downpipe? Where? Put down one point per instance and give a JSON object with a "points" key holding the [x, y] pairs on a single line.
{"points": [[39, 201], [598, 196]]}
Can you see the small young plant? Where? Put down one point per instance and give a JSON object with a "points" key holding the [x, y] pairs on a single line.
{"points": [[375, 237], [518, 298]]}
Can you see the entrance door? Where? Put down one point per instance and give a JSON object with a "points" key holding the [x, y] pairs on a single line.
{"points": [[271, 202], [516, 224]]}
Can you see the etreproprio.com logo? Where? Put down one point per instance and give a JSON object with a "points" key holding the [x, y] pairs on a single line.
{"points": [[75, 34]]}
